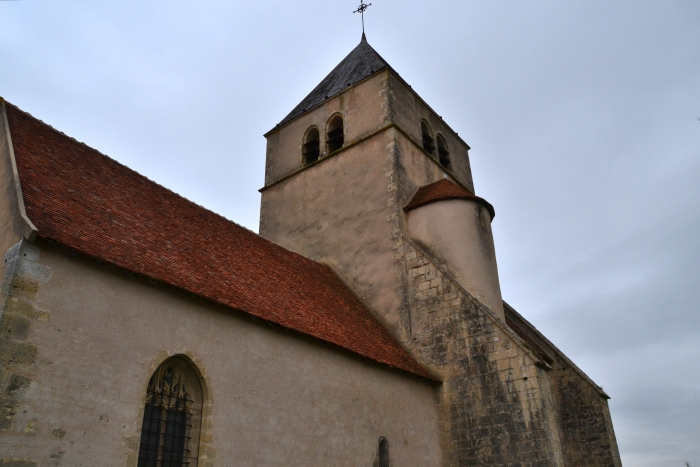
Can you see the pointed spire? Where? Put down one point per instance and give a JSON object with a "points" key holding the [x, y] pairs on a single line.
{"points": [[362, 62]]}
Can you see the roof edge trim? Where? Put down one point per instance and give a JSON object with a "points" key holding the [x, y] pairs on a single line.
{"points": [[31, 230], [483, 308], [555, 349]]}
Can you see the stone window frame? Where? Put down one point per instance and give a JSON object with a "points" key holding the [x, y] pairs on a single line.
{"points": [[330, 120], [199, 431], [427, 139], [443, 151], [305, 151]]}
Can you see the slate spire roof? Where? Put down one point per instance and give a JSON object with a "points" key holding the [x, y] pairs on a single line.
{"points": [[362, 62]]}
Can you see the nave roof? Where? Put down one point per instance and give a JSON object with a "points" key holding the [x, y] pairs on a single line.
{"points": [[87, 201]]}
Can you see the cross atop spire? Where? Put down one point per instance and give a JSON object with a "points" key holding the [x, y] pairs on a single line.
{"points": [[363, 6]]}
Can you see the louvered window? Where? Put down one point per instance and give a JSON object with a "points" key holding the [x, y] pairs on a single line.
{"points": [[428, 141], [443, 153], [312, 146], [336, 134]]}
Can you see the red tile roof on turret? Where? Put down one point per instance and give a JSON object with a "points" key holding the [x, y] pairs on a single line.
{"points": [[443, 190], [82, 199]]}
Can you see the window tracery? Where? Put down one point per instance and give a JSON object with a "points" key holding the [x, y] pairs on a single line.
{"points": [[171, 418]]}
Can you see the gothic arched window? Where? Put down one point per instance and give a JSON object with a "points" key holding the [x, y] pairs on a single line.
{"points": [[428, 141], [312, 146], [443, 153], [383, 453], [336, 135], [172, 417]]}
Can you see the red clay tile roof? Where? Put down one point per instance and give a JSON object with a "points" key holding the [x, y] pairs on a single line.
{"points": [[443, 190], [80, 198]]}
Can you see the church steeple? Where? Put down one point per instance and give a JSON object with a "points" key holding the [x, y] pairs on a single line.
{"points": [[343, 164], [361, 63], [365, 177]]}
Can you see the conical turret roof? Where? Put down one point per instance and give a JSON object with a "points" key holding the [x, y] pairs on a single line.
{"points": [[362, 62]]}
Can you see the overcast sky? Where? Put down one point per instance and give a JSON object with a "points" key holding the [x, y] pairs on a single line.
{"points": [[583, 118]]}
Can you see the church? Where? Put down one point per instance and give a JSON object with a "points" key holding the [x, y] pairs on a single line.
{"points": [[363, 326]]}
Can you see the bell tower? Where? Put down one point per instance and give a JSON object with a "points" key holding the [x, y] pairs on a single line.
{"points": [[365, 177], [343, 165]]}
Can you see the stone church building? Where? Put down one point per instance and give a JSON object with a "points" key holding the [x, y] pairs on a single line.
{"points": [[363, 326]]}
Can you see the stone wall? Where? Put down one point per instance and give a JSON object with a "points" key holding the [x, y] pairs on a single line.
{"points": [[80, 340], [408, 109], [18, 313], [496, 406], [587, 434], [19, 281]]}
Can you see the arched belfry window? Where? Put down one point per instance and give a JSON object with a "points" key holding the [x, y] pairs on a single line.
{"points": [[443, 153], [428, 141], [172, 417], [336, 134], [312, 146], [382, 454]]}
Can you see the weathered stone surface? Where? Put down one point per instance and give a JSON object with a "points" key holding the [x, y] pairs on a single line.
{"points": [[273, 398], [20, 307], [8, 409], [17, 356], [17, 352], [587, 434], [496, 405], [23, 287], [17, 463], [18, 383], [14, 326]]}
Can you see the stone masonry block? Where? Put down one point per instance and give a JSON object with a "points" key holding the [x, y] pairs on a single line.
{"points": [[18, 383], [17, 463], [20, 307], [8, 409], [14, 326], [23, 286], [12, 351], [423, 270]]}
